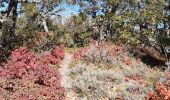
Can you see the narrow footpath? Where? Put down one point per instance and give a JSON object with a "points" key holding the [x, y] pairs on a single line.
{"points": [[65, 80]]}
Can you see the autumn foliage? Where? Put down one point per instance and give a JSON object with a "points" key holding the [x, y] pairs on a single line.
{"points": [[55, 56], [162, 89], [103, 53], [26, 76], [129, 78]]}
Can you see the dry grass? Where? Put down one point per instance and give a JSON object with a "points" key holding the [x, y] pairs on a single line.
{"points": [[93, 83], [102, 72]]}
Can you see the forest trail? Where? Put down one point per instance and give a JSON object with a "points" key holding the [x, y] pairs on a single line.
{"points": [[65, 80]]}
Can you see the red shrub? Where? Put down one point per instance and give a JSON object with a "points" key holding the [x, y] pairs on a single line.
{"points": [[20, 62], [162, 92], [136, 78], [102, 53], [24, 76], [55, 56], [51, 59], [127, 60], [58, 52], [78, 55], [162, 89]]}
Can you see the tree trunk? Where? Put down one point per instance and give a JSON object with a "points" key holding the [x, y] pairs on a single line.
{"points": [[12, 8], [45, 26], [154, 53]]}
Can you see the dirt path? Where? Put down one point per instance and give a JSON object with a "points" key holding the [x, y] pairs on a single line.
{"points": [[65, 80]]}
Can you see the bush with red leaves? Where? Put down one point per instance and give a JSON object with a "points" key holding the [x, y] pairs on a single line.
{"points": [[55, 56], [79, 54], [20, 62], [58, 52], [136, 78], [24, 77], [103, 53], [162, 89], [162, 92]]}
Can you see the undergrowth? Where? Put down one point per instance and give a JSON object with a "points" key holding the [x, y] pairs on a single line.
{"points": [[26, 76], [104, 71]]}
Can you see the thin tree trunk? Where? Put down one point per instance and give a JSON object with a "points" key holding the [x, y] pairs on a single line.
{"points": [[12, 7], [45, 26], [13, 26]]}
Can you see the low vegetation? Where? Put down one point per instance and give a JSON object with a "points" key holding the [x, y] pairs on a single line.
{"points": [[26, 75], [104, 71], [108, 50]]}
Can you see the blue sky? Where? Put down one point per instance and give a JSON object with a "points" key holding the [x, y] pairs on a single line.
{"points": [[69, 9]]}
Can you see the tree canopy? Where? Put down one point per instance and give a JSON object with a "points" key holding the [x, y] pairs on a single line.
{"points": [[135, 22]]}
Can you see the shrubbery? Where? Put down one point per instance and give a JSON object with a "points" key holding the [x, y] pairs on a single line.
{"points": [[129, 83], [127, 78], [103, 54], [56, 55], [26, 76], [162, 89]]}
